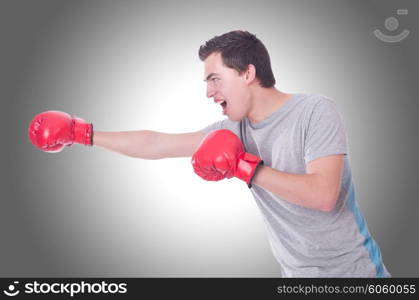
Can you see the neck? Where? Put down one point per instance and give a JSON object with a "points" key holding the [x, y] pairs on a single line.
{"points": [[265, 101]]}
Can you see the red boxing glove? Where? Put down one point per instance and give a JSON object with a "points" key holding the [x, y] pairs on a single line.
{"points": [[221, 155], [51, 130]]}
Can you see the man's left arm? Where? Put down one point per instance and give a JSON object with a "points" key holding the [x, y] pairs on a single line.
{"points": [[317, 189]]}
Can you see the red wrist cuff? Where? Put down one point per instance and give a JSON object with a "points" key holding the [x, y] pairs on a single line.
{"points": [[83, 132], [246, 167]]}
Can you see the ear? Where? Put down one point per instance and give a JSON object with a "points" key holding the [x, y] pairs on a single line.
{"points": [[250, 73]]}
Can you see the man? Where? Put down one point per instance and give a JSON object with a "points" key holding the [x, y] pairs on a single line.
{"points": [[290, 149]]}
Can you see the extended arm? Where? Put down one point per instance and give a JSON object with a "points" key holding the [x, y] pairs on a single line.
{"points": [[51, 131], [148, 144]]}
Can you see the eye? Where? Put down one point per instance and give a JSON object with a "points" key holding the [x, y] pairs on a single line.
{"points": [[214, 80]]}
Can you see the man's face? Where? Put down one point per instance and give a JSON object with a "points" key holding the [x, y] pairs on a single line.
{"points": [[227, 88]]}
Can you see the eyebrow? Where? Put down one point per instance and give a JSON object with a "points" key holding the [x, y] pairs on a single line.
{"points": [[210, 75]]}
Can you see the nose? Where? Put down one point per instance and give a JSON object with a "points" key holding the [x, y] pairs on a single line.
{"points": [[210, 90]]}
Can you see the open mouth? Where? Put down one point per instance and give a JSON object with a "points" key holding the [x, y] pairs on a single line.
{"points": [[223, 104]]}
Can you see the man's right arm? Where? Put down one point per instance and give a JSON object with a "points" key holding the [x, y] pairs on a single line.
{"points": [[148, 144], [52, 131]]}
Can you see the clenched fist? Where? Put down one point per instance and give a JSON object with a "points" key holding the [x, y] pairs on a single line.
{"points": [[221, 155], [51, 130]]}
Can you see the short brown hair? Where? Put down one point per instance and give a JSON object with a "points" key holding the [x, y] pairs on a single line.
{"points": [[239, 49]]}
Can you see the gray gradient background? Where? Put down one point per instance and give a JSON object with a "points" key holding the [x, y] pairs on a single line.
{"points": [[130, 65]]}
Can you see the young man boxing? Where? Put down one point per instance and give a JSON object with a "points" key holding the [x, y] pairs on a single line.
{"points": [[290, 150]]}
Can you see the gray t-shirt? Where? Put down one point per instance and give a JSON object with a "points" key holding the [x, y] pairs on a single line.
{"points": [[308, 242]]}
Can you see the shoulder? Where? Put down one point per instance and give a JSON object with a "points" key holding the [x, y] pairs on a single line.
{"points": [[316, 106], [315, 101], [232, 126], [223, 124]]}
